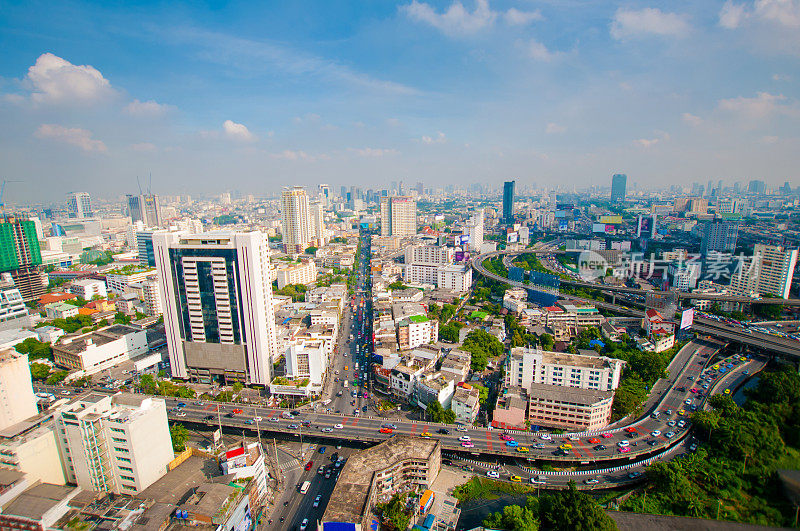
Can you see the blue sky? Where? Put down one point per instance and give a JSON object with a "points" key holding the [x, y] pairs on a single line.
{"points": [[256, 95]]}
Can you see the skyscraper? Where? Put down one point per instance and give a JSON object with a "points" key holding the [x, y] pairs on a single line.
{"points": [[398, 216], [317, 214], [719, 236], [768, 272], [296, 224], [79, 205], [420, 189], [474, 228], [217, 301], [20, 255], [145, 208], [325, 194], [757, 187], [508, 201], [619, 181]]}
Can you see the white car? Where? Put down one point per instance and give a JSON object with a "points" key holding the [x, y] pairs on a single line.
{"points": [[461, 428], [623, 444], [338, 426], [257, 419], [464, 438], [574, 437], [303, 524], [655, 433], [687, 401], [545, 437], [493, 474], [327, 430], [317, 499], [275, 419]]}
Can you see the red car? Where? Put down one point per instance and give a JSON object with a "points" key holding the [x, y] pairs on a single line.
{"points": [[506, 437], [594, 440], [237, 411], [309, 465], [386, 430], [606, 435], [630, 429]]}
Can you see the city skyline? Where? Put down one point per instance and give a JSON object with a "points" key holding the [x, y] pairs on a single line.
{"points": [[442, 92]]}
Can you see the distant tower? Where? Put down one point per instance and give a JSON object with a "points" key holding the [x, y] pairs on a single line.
{"points": [[79, 205], [619, 182], [508, 201]]}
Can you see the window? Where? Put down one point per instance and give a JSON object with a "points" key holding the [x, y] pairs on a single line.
{"points": [[123, 459], [126, 469]]}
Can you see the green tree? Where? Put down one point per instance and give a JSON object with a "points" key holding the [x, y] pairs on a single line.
{"points": [[56, 377], [311, 250], [482, 346], [148, 384], [547, 342], [40, 371], [121, 318], [483, 393], [237, 387], [179, 435], [394, 513], [513, 518], [572, 510]]}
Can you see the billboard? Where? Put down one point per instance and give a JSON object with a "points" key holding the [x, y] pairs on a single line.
{"points": [[687, 318], [463, 239], [645, 227], [610, 219], [512, 237]]}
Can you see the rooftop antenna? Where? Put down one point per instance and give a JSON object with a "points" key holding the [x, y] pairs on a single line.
{"points": [[139, 184], [150, 184]]}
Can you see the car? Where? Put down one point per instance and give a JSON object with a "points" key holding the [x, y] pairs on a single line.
{"points": [[327, 430], [181, 404], [669, 412], [681, 412], [669, 434], [655, 433], [208, 417], [390, 426], [309, 465], [229, 415], [594, 440], [606, 435], [727, 391], [386, 430], [630, 429], [693, 390], [338, 426], [257, 419], [634, 474], [574, 437], [601, 447], [706, 386], [687, 401], [425, 435], [248, 421], [652, 442], [545, 437], [624, 450], [461, 428], [515, 479], [506, 437], [443, 431], [465, 438], [322, 449], [304, 524], [492, 474], [275, 419], [292, 426], [671, 423], [592, 481], [693, 447], [237, 411], [512, 444], [522, 449], [539, 480], [623, 444], [538, 445], [468, 444], [681, 423], [317, 499]]}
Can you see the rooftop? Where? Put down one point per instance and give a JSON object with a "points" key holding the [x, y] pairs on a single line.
{"points": [[177, 485], [349, 498], [78, 344], [35, 502], [574, 395]]}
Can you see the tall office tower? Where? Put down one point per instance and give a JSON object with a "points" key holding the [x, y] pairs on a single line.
{"points": [[296, 226], [709, 188], [619, 181], [474, 227], [757, 187], [508, 201], [118, 443], [719, 236], [79, 205], [736, 187], [420, 189], [769, 271], [317, 214], [343, 192], [144, 244], [20, 255], [145, 208], [398, 216], [325, 194], [17, 402], [216, 296]]}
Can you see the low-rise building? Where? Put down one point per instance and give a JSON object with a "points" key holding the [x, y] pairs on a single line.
{"points": [[246, 461], [60, 310], [304, 272], [511, 408], [119, 280], [525, 367], [39, 507], [434, 387], [101, 349], [88, 288], [416, 330], [12, 305], [465, 404], [515, 300], [568, 407], [457, 363], [372, 476], [455, 277]]}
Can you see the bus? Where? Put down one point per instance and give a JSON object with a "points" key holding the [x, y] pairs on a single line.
{"points": [[356, 365], [304, 488]]}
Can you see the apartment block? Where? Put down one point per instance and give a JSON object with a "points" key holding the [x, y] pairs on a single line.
{"points": [[398, 216], [246, 461], [569, 408], [101, 349], [416, 330], [769, 271], [528, 366], [87, 289], [304, 272], [12, 305], [118, 443], [465, 404], [308, 359], [151, 296]]}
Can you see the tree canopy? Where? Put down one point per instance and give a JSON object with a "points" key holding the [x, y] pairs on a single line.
{"points": [[483, 346]]}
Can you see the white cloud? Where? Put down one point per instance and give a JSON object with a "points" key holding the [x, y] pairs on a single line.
{"points": [[781, 77], [732, 15], [691, 119], [539, 51], [784, 12], [515, 17], [288, 154], [553, 128], [628, 23], [770, 140], [143, 147], [373, 152], [761, 106], [56, 80], [147, 109], [392, 122], [73, 136], [650, 142], [457, 20], [237, 131], [440, 138]]}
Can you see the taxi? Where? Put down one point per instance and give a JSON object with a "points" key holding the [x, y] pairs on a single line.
{"points": [[425, 435], [515, 479], [523, 449], [727, 391], [566, 446]]}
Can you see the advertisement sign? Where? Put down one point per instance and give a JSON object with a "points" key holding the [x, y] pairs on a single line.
{"points": [[464, 239], [687, 318], [512, 237], [645, 226], [610, 219], [611, 229], [217, 436]]}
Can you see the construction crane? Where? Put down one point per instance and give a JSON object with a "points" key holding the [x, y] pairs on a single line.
{"points": [[2, 191]]}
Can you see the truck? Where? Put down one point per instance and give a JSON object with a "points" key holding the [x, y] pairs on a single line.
{"points": [[304, 488]]}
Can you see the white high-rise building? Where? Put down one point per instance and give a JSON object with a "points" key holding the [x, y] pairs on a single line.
{"points": [[317, 213], [12, 305], [216, 296], [398, 216], [117, 443], [474, 229], [297, 228], [79, 205], [17, 401], [769, 271], [152, 298], [533, 366]]}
